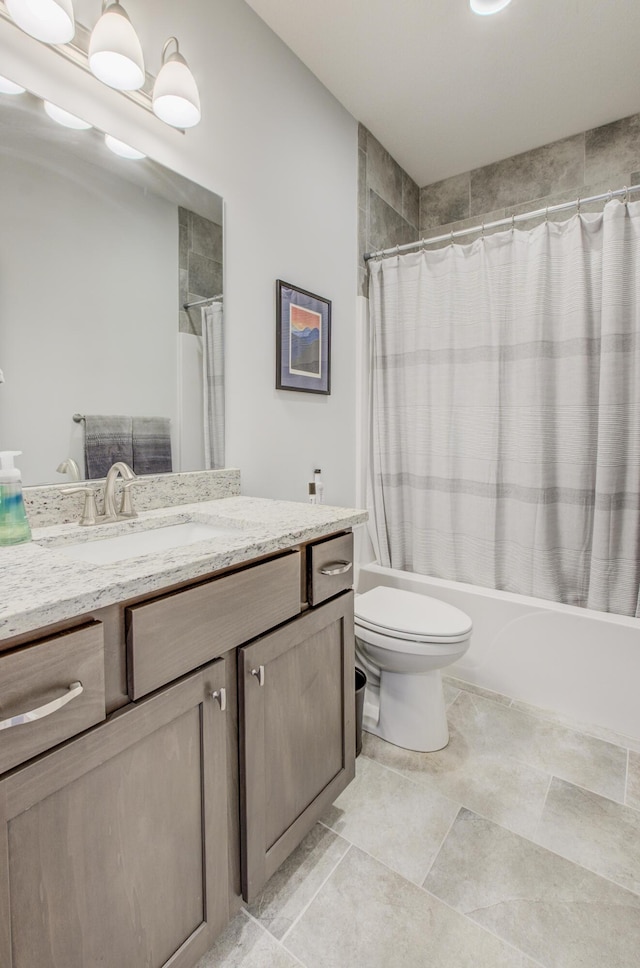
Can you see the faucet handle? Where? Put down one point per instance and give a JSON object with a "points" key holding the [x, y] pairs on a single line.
{"points": [[127, 509], [90, 511]]}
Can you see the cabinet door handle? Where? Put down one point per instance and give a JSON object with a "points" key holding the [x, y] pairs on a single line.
{"points": [[336, 568], [221, 696], [75, 689], [259, 674]]}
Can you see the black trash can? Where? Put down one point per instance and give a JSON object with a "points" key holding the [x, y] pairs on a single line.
{"points": [[361, 681]]}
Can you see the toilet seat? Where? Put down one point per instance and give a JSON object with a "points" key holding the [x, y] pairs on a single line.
{"points": [[402, 616]]}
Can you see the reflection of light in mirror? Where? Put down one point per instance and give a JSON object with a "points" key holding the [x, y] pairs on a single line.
{"points": [[9, 87], [115, 53], [122, 149], [65, 117], [51, 21], [487, 7]]}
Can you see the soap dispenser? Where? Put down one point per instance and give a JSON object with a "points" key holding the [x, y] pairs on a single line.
{"points": [[14, 527]]}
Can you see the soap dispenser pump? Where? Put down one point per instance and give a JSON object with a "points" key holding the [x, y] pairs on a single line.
{"points": [[14, 526]]}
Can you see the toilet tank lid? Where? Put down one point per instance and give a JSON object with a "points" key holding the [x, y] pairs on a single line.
{"points": [[410, 613]]}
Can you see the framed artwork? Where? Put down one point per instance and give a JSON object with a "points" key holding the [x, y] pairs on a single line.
{"points": [[303, 340]]}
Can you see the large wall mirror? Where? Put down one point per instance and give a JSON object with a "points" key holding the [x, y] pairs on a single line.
{"points": [[98, 256]]}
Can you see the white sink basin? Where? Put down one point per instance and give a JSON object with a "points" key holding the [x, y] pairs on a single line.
{"points": [[105, 551]]}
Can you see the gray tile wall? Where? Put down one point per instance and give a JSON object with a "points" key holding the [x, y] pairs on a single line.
{"points": [[388, 202], [200, 246], [590, 163]]}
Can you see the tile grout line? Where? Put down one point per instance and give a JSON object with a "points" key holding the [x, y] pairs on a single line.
{"points": [[315, 894], [440, 846], [544, 805], [271, 937]]}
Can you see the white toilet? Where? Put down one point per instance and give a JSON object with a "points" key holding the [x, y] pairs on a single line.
{"points": [[402, 641]]}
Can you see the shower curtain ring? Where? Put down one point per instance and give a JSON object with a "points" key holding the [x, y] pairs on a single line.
{"points": [[483, 230], [609, 196], [578, 204], [626, 195], [546, 214], [452, 237]]}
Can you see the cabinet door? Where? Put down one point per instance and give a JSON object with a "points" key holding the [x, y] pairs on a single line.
{"points": [[113, 848], [297, 733]]}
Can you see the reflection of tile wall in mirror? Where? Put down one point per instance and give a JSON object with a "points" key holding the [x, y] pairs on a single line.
{"points": [[91, 258]]}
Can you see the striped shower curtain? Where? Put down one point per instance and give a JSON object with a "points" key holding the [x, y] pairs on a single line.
{"points": [[505, 410]]}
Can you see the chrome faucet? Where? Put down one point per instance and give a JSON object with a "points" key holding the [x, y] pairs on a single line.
{"points": [[90, 514], [122, 469]]}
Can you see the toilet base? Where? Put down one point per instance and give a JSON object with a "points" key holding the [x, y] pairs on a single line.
{"points": [[412, 712]]}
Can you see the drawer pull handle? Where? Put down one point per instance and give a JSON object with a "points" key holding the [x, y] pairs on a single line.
{"points": [[221, 696], [337, 568], [75, 689], [259, 674]]}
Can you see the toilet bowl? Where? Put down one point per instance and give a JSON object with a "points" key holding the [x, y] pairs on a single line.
{"points": [[403, 640]]}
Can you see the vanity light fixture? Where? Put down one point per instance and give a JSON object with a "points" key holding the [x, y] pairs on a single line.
{"points": [[65, 117], [122, 149], [49, 20], [486, 7], [115, 52], [10, 87], [176, 100]]}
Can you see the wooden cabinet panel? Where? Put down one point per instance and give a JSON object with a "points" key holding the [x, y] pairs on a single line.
{"points": [[297, 733], [113, 849], [173, 635], [330, 568], [40, 675]]}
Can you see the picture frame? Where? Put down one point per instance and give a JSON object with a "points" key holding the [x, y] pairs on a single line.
{"points": [[303, 340]]}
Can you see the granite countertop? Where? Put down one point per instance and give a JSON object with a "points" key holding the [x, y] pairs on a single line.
{"points": [[42, 585]]}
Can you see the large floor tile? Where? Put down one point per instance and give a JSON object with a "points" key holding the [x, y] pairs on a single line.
{"points": [[494, 785], [554, 910], [297, 880], [590, 729], [367, 915], [246, 945], [592, 831], [396, 820], [633, 781], [550, 747]]}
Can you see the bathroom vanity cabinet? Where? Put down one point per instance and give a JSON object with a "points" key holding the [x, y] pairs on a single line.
{"points": [[214, 727]]}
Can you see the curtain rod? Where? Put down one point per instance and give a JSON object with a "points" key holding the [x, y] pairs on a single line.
{"points": [[201, 302], [511, 220]]}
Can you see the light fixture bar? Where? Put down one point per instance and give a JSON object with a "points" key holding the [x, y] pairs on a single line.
{"points": [[77, 53]]}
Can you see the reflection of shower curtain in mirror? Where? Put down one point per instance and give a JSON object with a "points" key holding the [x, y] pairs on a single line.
{"points": [[505, 445], [213, 383]]}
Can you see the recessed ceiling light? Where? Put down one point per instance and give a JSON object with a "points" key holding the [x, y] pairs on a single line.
{"points": [[51, 21], [122, 149], [10, 87], [65, 117], [486, 7]]}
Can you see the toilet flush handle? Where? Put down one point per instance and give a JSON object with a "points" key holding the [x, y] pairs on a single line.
{"points": [[336, 568]]}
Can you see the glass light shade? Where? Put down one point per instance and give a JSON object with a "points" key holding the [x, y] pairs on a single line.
{"points": [[49, 20], [65, 117], [122, 149], [486, 7], [10, 87], [115, 53], [176, 100]]}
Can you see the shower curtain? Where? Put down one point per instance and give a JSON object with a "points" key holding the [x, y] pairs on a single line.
{"points": [[505, 410], [213, 382]]}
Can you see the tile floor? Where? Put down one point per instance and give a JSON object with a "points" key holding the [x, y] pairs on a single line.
{"points": [[516, 846]]}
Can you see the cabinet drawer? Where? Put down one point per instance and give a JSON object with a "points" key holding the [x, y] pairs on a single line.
{"points": [[60, 683], [171, 636], [330, 568]]}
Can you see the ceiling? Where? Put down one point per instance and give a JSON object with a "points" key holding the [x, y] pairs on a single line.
{"points": [[446, 91]]}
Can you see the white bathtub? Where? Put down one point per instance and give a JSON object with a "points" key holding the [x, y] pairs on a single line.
{"points": [[582, 665]]}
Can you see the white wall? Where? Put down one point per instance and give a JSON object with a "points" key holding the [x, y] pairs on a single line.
{"points": [[283, 153]]}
